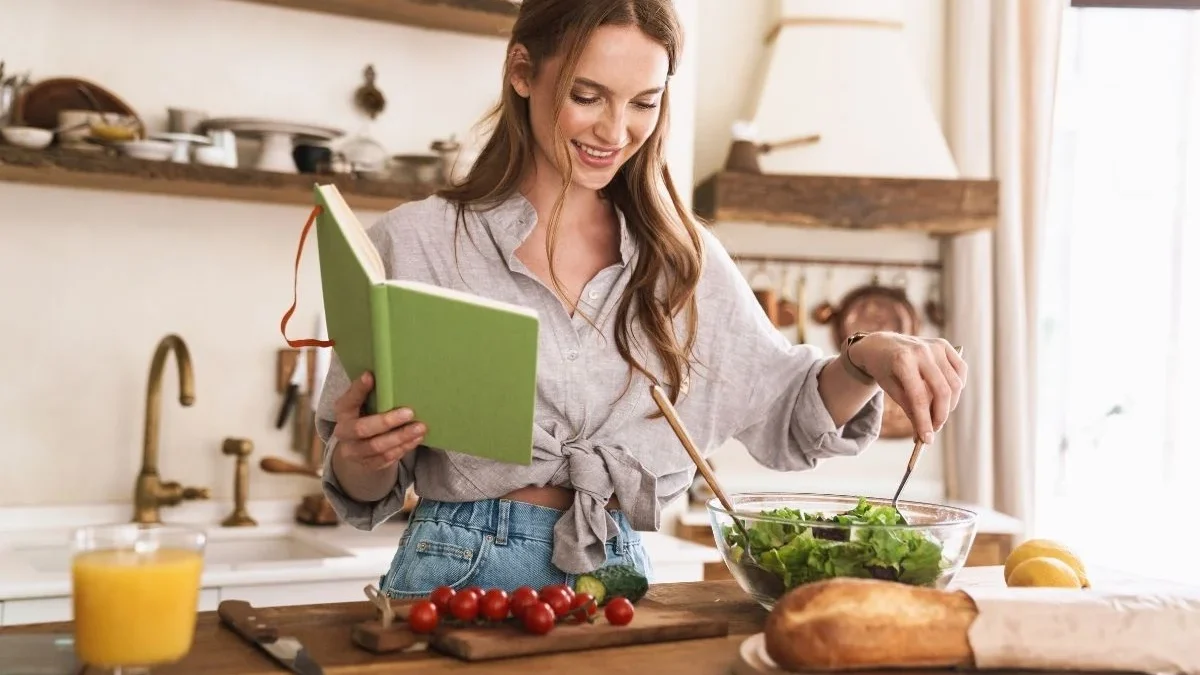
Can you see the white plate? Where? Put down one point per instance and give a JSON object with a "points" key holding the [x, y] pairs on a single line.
{"points": [[258, 125], [753, 660]]}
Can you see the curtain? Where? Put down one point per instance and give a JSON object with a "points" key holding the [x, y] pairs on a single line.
{"points": [[1002, 61]]}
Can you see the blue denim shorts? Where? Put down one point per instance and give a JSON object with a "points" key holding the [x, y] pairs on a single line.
{"points": [[492, 543]]}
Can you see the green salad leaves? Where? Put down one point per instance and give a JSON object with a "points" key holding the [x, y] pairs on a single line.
{"points": [[800, 552]]}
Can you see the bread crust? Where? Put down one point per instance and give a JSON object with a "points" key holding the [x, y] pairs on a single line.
{"points": [[844, 623]]}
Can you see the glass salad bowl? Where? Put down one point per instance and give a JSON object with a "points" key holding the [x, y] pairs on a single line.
{"points": [[796, 538]]}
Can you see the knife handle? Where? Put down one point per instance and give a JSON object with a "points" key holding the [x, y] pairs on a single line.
{"points": [[243, 619]]}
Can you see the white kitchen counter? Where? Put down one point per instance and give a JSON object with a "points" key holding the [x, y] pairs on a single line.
{"points": [[278, 562]]}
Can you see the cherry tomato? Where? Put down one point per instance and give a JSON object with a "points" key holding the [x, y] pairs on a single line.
{"points": [[441, 597], [474, 589], [494, 605], [570, 592], [559, 603], [464, 606], [583, 608], [558, 597], [423, 616], [522, 599], [619, 611], [538, 618]]}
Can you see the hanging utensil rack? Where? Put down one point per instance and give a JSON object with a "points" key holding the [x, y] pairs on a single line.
{"points": [[837, 262]]}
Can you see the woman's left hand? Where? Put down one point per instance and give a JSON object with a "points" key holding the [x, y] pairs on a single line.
{"points": [[924, 375]]}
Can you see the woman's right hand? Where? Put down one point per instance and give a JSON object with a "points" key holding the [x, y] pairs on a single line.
{"points": [[375, 442]]}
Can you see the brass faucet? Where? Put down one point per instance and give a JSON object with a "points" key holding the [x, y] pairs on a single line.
{"points": [[150, 492]]}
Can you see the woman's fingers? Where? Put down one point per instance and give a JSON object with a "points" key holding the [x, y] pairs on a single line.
{"points": [[385, 449], [350, 403], [393, 455], [908, 388], [372, 426], [954, 380], [941, 393]]}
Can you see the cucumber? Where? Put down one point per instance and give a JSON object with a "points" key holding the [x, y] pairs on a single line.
{"points": [[613, 581]]}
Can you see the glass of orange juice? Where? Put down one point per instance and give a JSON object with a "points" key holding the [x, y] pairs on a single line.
{"points": [[135, 590]]}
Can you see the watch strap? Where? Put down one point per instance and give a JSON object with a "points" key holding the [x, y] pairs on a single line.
{"points": [[849, 365]]}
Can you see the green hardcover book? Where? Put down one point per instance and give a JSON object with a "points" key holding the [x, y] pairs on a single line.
{"points": [[466, 365]]}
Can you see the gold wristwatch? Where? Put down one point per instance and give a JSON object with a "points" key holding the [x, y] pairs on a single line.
{"points": [[852, 368]]}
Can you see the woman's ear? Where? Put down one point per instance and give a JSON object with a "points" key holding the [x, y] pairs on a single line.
{"points": [[520, 70]]}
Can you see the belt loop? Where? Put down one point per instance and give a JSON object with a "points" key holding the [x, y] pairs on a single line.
{"points": [[619, 540], [502, 512]]}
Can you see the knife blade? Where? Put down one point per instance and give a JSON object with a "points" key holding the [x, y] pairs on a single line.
{"points": [[288, 651]]}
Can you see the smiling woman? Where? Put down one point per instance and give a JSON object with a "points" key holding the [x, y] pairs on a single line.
{"points": [[571, 210]]}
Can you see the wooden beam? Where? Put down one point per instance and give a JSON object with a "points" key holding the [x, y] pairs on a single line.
{"points": [[101, 171], [1138, 4], [493, 18], [942, 207]]}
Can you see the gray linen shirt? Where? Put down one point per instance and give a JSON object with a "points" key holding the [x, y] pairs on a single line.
{"points": [[752, 384]]}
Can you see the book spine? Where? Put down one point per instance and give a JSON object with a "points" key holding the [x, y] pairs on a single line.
{"points": [[385, 391]]}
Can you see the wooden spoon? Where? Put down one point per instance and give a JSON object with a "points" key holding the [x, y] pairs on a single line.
{"points": [[277, 465], [761, 578]]}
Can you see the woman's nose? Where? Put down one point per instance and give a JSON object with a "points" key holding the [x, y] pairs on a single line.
{"points": [[611, 128]]}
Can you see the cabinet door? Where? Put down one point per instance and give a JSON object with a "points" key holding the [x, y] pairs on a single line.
{"points": [[44, 610], [299, 593]]}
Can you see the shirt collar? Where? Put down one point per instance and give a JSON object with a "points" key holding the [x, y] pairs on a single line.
{"points": [[513, 219]]}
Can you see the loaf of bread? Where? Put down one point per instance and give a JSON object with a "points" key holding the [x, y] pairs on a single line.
{"points": [[844, 624]]}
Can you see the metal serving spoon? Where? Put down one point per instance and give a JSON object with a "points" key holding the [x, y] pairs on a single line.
{"points": [[912, 464]]}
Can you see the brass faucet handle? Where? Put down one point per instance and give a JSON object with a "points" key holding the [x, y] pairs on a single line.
{"points": [[241, 448], [238, 447], [194, 493], [171, 493]]}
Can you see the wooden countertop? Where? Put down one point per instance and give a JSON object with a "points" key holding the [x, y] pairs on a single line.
{"points": [[325, 631]]}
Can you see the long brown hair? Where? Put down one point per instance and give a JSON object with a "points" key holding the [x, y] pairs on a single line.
{"points": [[670, 254]]}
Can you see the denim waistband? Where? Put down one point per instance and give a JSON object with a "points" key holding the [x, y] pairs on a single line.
{"points": [[504, 518]]}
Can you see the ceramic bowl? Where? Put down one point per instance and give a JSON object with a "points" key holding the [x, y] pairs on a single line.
{"points": [[156, 151], [27, 137]]}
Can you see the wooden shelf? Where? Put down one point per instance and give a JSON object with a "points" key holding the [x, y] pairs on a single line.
{"points": [[475, 17], [101, 171], [941, 207]]}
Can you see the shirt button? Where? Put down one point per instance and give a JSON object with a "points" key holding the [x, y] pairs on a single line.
{"points": [[592, 295], [572, 354]]}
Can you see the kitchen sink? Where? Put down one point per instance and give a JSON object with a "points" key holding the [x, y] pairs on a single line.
{"points": [[226, 547]]}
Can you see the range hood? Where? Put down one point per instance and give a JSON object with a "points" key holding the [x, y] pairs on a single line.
{"points": [[842, 69]]}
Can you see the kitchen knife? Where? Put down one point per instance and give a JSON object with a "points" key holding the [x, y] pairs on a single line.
{"points": [[244, 620]]}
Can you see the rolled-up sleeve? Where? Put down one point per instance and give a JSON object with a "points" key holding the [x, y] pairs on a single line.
{"points": [[361, 515], [770, 385]]}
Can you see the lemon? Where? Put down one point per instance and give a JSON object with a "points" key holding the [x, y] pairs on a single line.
{"points": [[1046, 548], [1044, 573]]}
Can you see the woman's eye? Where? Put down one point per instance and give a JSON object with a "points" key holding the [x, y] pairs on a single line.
{"points": [[645, 105], [584, 100]]}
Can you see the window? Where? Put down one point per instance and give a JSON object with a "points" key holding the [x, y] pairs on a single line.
{"points": [[1120, 288]]}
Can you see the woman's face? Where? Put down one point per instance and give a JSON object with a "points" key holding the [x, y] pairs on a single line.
{"points": [[612, 106]]}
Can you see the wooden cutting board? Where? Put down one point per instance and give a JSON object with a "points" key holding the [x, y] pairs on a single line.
{"points": [[652, 622]]}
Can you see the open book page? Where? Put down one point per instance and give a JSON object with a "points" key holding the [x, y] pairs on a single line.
{"points": [[364, 249], [463, 296]]}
